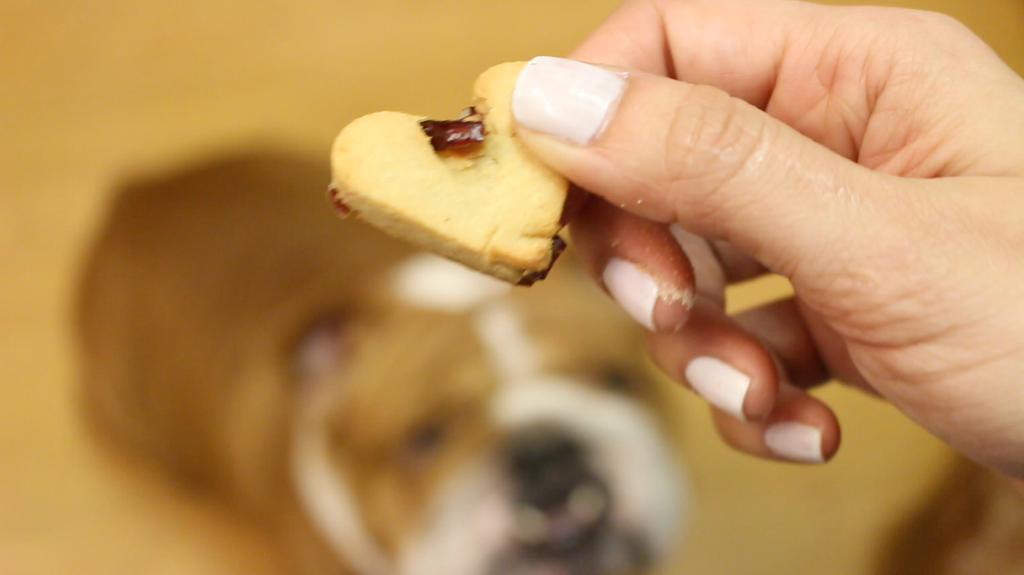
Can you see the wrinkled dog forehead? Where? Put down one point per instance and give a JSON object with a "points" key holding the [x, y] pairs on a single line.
{"points": [[567, 323], [539, 344], [432, 326], [449, 339], [567, 303]]}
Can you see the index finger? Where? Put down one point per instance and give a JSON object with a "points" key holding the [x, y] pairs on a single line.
{"points": [[734, 45]]}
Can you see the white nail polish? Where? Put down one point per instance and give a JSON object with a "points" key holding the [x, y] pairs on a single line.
{"points": [[719, 383], [565, 98], [635, 291], [795, 441], [681, 235]]}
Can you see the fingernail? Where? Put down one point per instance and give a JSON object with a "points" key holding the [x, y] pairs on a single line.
{"points": [[635, 291], [721, 384], [565, 98], [795, 442], [678, 233]]}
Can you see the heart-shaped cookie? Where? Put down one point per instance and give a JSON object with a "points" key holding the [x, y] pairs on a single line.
{"points": [[467, 190]]}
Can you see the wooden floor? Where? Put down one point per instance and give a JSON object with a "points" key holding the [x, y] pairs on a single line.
{"points": [[90, 92]]}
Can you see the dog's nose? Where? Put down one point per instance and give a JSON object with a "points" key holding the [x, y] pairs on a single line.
{"points": [[560, 501], [547, 464]]}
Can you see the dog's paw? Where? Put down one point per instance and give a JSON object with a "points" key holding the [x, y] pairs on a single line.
{"points": [[466, 189]]}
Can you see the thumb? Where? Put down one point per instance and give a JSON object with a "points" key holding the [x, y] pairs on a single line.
{"points": [[675, 152]]}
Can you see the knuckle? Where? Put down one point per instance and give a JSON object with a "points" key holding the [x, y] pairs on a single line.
{"points": [[930, 28], [909, 34], [927, 21], [712, 139]]}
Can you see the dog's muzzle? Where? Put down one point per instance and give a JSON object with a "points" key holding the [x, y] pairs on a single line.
{"points": [[563, 509]]}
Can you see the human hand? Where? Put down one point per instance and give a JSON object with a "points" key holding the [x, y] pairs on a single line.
{"points": [[873, 156]]}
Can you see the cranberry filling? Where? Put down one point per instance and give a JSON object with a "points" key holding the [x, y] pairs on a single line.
{"points": [[461, 135], [339, 204], [557, 247]]}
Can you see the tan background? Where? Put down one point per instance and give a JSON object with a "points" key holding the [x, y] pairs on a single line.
{"points": [[90, 90]]}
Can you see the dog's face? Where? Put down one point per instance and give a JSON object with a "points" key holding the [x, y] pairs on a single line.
{"points": [[498, 432], [387, 413]]}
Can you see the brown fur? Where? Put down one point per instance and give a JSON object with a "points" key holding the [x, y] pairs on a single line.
{"points": [[973, 524], [202, 280]]}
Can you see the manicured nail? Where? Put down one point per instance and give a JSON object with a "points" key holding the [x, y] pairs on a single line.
{"points": [[565, 98], [719, 383], [795, 442], [635, 291], [678, 233]]}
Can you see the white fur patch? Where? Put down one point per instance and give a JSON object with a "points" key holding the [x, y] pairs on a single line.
{"points": [[323, 490], [432, 282], [510, 350], [469, 524]]}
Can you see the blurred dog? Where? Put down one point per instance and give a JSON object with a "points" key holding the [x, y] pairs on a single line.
{"points": [[973, 524], [378, 411]]}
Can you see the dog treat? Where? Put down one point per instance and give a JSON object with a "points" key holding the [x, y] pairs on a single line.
{"points": [[465, 189]]}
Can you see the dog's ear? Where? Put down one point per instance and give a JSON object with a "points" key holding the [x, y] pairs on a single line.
{"points": [[320, 351], [189, 293]]}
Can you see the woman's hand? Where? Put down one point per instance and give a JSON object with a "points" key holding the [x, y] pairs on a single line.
{"points": [[873, 156]]}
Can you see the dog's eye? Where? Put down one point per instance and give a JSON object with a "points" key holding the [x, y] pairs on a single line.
{"points": [[425, 439], [618, 380]]}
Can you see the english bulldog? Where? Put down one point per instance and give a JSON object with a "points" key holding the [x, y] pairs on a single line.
{"points": [[375, 410]]}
